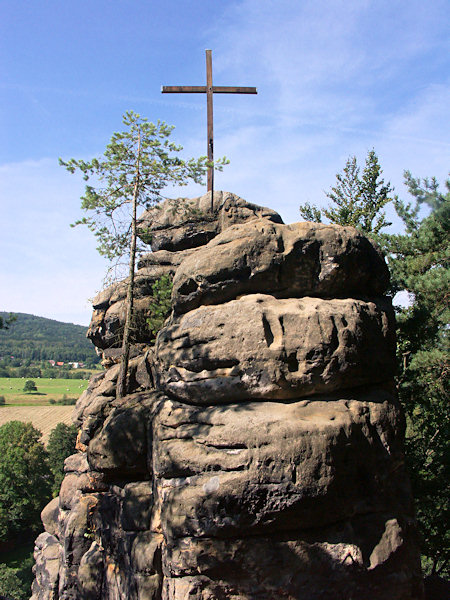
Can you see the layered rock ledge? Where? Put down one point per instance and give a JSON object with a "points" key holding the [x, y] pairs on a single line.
{"points": [[258, 454]]}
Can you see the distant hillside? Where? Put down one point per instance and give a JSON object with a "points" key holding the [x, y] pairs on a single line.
{"points": [[38, 338]]}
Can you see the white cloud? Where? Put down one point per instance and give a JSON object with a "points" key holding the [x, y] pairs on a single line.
{"points": [[334, 78], [48, 268]]}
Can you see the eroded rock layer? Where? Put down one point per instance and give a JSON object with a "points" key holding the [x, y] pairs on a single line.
{"points": [[258, 453], [294, 348]]}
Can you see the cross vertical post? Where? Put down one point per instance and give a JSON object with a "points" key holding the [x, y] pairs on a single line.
{"points": [[210, 127], [210, 90]]}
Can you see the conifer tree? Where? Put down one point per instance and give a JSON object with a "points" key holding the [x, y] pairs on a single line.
{"points": [[356, 200], [419, 262], [137, 165]]}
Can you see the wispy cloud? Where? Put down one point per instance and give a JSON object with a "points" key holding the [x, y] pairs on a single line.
{"points": [[44, 263], [334, 78]]}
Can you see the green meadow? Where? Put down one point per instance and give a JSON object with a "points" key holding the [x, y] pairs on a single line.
{"points": [[47, 389]]}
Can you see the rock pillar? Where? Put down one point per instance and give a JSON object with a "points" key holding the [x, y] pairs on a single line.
{"points": [[259, 453]]}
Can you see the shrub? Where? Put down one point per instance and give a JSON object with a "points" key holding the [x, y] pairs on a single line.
{"points": [[160, 304], [61, 444], [25, 478]]}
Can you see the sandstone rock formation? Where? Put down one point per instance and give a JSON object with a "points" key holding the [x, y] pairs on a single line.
{"points": [[302, 259], [258, 454], [182, 224]]}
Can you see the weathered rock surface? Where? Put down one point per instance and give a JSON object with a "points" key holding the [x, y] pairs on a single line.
{"points": [[187, 223], [178, 228], [260, 468], [108, 318], [294, 347], [258, 452], [287, 261], [343, 561], [47, 556]]}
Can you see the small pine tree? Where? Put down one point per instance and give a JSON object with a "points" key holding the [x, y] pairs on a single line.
{"points": [[137, 165], [160, 304], [356, 200]]}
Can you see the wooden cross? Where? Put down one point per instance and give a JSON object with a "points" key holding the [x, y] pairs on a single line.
{"points": [[209, 89]]}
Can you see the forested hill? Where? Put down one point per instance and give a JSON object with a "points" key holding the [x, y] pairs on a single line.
{"points": [[38, 338]]}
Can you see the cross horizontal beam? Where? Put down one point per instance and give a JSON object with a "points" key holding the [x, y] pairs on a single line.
{"points": [[209, 89], [202, 89]]}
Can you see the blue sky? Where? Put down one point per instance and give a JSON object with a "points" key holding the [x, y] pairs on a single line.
{"points": [[334, 78]]}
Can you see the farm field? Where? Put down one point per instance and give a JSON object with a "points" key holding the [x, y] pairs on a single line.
{"points": [[12, 389], [45, 418]]}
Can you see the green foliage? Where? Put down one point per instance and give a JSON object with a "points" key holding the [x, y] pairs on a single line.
{"points": [[38, 339], [5, 321], [419, 263], [138, 162], [160, 304], [423, 390], [355, 200], [310, 213], [136, 166], [29, 386], [25, 478], [65, 401], [421, 259], [16, 575], [15, 583], [61, 444]]}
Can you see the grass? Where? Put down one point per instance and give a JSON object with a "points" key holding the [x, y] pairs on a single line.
{"points": [[12, 389], [35, 407]]}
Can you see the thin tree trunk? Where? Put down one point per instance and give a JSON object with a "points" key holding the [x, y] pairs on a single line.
{"points": [[122, 380]]}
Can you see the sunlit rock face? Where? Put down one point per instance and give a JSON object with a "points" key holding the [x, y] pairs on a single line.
{"points": [[186, 223], [287, 261], [296, 348], [258, 453]]}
